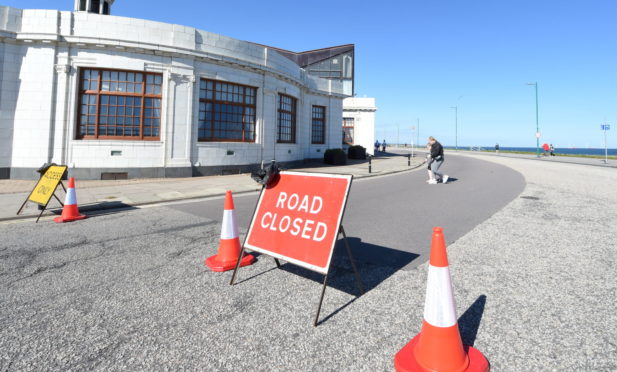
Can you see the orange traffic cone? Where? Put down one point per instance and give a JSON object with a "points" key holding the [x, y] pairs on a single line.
{"points": [[229, 248], [438, 347], [70, 212]]}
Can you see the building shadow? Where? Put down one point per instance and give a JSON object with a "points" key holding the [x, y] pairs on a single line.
{"points": [[469, 322]]}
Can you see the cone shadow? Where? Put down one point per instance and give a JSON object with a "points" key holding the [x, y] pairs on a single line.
{"points": [[469, 322]]}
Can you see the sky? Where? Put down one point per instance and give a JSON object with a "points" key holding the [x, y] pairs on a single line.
{"points": [[419, 59]]}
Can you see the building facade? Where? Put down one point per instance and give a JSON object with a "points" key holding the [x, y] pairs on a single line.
{"points": [[359, 122], [123, 97]]}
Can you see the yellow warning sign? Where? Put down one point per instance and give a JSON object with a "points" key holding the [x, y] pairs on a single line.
{"points": [[46, 186]]}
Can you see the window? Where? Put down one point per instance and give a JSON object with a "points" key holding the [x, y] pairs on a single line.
{"points": [[82, 5], [348, 126], [318, 130], [119, 105], [106, 8], [226, 112], [94, 6], [286, 119]]}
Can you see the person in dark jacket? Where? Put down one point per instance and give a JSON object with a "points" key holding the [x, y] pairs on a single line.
{"points": [[437, 160]]}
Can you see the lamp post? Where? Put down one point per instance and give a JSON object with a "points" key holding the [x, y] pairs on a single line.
{"points": [[537, 125], [418, 133], [455, 126]]}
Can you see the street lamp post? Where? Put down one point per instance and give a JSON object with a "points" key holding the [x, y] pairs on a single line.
{"points": [[455, 126], [418, 133], [537, 125]]}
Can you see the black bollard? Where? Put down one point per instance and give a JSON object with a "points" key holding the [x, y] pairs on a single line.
{"points": [[409, 160], [369, 163]]}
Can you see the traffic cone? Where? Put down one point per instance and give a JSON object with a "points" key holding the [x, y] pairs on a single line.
{"points": [[70, 212], [438, 347], [229, 248]]}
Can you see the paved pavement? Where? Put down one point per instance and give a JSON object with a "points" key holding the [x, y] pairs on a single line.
{"points": [[612, 163], [95, 194]]}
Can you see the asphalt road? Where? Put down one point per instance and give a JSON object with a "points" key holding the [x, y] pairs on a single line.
{"points": [[389, 219], [128, 290]]}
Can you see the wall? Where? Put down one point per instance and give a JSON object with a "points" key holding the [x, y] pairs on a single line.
{"points": [[363, 111]]}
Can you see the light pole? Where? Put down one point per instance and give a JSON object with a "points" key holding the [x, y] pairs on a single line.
{"points": [[418, 133], [455, 126], [537, 125]]}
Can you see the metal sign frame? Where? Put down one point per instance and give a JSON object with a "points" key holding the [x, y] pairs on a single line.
{"points": [[276, 257], [53, 193]]}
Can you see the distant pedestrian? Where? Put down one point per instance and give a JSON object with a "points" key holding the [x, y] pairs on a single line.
{"points": [[383, 146], [497, 148], [437, 158], [429, 161], [552, 148], [545, 148], [376, 146]]}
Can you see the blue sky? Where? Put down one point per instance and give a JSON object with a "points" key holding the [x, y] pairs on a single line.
{"points": [[419, 58]]}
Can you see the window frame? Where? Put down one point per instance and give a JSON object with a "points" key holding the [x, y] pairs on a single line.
{"points": [[213, 101], [352, 127], [321, 122], [293, 120], [98, 93]]}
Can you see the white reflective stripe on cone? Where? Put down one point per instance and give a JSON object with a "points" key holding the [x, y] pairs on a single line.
{"points": [[71, 197], [439, 308], [229, 229]]}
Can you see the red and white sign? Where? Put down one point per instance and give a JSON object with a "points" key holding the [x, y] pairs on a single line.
{"points": [[297, 219]]}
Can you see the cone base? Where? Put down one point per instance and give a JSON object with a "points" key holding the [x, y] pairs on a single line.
{"points": [[215, 265], [404, 361], [69, 219]]}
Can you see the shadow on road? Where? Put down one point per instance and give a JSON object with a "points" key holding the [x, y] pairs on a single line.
{"points": [[469, 322], [375, 264], [99, 209]]}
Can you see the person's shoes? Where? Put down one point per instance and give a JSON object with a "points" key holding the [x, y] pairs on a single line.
{"points": [[432, 182], [445, 178]]}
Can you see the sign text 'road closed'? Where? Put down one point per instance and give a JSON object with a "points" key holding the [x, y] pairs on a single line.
{"points": [[297, 219]]}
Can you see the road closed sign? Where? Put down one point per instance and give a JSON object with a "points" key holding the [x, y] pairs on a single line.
{"points": [[297, 218]]}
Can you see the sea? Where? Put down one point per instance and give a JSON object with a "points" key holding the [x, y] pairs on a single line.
{"points": [[558, 150]]}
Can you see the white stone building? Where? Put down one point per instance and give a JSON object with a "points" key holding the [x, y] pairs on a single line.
{"points": [[123, 97], [359, 122]]}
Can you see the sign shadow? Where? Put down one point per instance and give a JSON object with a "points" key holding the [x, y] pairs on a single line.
{"points": [[375, 263], [100, 208]]}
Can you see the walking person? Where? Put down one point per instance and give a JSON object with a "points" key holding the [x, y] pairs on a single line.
{"points": [[552, 149], [497, 148], [437, 160], [545, 148], [383, 146], [429, 161], [376, 146]]}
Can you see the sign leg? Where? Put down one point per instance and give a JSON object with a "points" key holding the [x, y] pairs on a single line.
{"points": [[323, 291], [40, 214], [353, 263], [59, 201], [22, 206], [240, 256], [278, 263]]}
